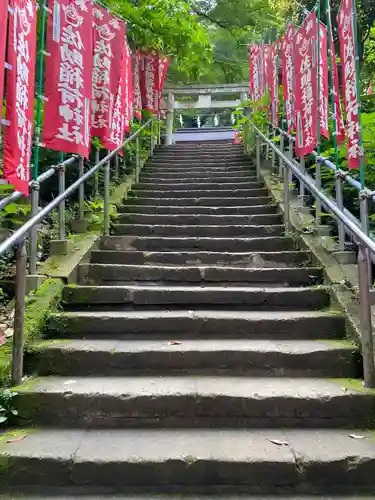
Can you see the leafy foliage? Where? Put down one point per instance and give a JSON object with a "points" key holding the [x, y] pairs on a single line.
{"points": [[7, 410]]}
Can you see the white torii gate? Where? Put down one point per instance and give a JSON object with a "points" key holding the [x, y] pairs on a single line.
{"points": [[203, 100]]}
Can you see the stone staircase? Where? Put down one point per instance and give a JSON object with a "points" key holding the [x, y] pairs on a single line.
{"points": [[198, 354]]}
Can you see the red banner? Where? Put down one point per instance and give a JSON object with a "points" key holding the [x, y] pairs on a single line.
{"points": [[305, 58], [340, 127], [323, 79], [68, 85], [109, 33], [255, 83], [349, 81], [163, 70], [137, 98], [267, 54], [149, 81], [274, 84], [287, 50], [20, 94], [3, 34], [128, 88]]}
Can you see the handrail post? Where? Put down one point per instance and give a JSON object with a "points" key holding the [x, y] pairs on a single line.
{"points": [[81, 190], [287, 223], [61, 210], [318, 182], [257, 156], [137, 159], [273, 151], [96, 176], [19, 314], [152, 139], [282, 152], [34, 231], [301, 184], [340, 204], [117, 167], [365, 316], [107, 173], [364, 217]]}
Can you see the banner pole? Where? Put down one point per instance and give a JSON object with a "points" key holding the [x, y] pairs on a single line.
{"points": [[318, 177], [39, 88], [361, 154]]}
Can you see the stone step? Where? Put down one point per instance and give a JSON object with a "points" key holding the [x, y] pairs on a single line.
{"points": [[158, 179], [250, 298], [191, 401], [197, 186], [197, 324], [112, 274], [100, 493], [199, 193], [199, 161], [206, 169], [255, 358], [199, 462], [203, 176], [202, 201], [197, 210], [223, 156], [199, 220], [198, 231], [245, 259], [233, 245]]}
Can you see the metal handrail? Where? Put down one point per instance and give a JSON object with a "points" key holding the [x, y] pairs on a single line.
{"points": [[18, 238], [364, 242]]}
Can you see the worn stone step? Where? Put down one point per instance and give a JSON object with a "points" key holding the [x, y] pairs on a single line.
{"points": [[201, 201], [191, 401], [198, 230], [201, 175], [151, 243], [197, 186], [182, 156], [132, 207], [199, 162], [226, 170], [158, 179], [144, 295], [245, 259], [199, 220], [199, 193], [241, 276], [197, 324], [100, 493], [198, 462], [255, 358]]}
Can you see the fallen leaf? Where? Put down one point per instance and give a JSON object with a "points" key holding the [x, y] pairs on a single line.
{"points": [[278, 443], [15, 440], [356, 436], [174, 342]]}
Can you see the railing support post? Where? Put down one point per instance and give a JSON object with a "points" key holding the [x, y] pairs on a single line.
{"points": [[287, 223], [117, 167], [61, 175], [274, 152], [137, 160], [258, 156], [301, 184], [96, 176], [282, 152], [169, 135], [340, 204], [365, 317], [364, 216], [19, 314], [107, 173], [318, 183], [34, 231], [81, 190]]}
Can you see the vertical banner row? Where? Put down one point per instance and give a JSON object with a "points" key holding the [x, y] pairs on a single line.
{"points": [[3, 33], [20, 94]]}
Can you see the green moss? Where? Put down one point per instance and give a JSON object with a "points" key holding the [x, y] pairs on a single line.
{"points": [[14, 434], [28, 385], [353, 385]]}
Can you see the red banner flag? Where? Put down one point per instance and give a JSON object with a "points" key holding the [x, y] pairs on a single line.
{"points": [[149, 81], [137, 98], [3, 34], [163, 70], [287, 50], [128, 88], [305, 58], [68, 88], [20, 94], [109, 33], [255, 84], [323, 79], [274, 84], [267, 54], [349, 80], [340, 127]]}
